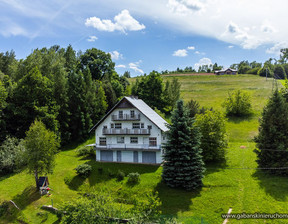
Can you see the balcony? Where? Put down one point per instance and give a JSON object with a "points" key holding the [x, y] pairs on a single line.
{"points": [[125, 117], [125, 131], [129, 147]]}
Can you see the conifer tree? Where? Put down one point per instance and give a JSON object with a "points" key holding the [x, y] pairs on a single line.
{"points": [[272, 140], [183, 166]]}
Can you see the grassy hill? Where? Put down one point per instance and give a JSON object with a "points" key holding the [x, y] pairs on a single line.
{"points": [[236, 184]]}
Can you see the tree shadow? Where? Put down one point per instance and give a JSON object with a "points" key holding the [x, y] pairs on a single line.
{"points": [[29, 195], [175, 200], [75, 183], [105, 171], [275, 186], [213, 167], [237, 120]]}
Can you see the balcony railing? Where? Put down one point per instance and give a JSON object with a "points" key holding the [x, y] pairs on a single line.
{"points": [[129, 147], [125, 131], [126, 117]]}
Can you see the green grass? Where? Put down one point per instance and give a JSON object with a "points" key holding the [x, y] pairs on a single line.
{"points": [[225, 185]]}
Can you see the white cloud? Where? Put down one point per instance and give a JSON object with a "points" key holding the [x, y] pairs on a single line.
{"points": [[123, 22], [92, 39], [202, 61], [180, 53], [115, 55], [191, 48], [276, 48], [185, 6], [120, 66], [230, 46], [135, 66]]}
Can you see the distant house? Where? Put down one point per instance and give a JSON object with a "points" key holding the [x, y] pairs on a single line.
{"points": [[130, 132], [228, 71]]}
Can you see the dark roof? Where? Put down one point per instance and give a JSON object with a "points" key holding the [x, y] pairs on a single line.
{"points": [[43, 181], [143, 108], [224, 70]]}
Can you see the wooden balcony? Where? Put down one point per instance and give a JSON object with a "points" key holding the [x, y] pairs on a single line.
{"points": [[126, 117], [126, 131]]}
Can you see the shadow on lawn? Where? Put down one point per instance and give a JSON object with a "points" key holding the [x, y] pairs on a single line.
{"points": [[214, 167], [175, 200], [104, 171], [237, 120], [275, 186], [29, 195]]}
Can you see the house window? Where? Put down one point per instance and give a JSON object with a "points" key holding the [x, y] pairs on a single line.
{"points": [[134, 140], [132, 113], [120, 139], [112, 125], [120, 114], [105, 127], [142, 125], [118, 125], [149, 126], [135, 125], [152, 141], [102, 141]]}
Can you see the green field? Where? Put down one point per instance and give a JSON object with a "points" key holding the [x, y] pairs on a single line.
{"points": [[236, 184]]}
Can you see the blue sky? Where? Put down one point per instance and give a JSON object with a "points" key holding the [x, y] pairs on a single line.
{"points": [[149, 35]]}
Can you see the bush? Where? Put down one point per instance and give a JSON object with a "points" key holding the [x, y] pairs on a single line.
{"points": [[253, 71], [86, 151], [262, 72], [110, 173], [12, 155], [214, 138], [120, 175], [3, 208], [133, 178], [238, 103], [279, 72], [83, 170], [100, 170]]}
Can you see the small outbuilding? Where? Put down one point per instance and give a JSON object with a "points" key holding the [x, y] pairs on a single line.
{"points": [[228, 71]]}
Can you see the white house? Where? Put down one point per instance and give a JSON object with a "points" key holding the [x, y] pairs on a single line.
{"points": [[130, 132]]}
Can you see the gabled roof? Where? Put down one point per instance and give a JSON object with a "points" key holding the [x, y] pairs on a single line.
{"points": [[224, 70], [143, 108]]}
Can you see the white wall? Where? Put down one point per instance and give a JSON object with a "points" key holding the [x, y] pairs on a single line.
{"points": [[127, 156]]}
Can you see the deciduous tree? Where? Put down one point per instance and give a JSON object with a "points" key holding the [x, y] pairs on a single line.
{"points": [[41, 146]]}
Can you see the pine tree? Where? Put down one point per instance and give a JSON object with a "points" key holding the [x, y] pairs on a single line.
{"points": [[272, 140], [183, 166]]}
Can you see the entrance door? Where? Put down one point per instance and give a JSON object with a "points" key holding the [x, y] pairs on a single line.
{"points": [[118, 156], [135, 157]]}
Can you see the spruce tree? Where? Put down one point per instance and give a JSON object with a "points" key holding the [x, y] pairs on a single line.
{"points": [[272, 140], [183, 166]]}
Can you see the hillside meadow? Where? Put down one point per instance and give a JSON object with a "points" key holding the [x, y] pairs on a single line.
{"points": [[236, 183]]}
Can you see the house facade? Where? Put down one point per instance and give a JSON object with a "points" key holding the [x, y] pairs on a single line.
{"points": [[130, 132], [228, 71]]}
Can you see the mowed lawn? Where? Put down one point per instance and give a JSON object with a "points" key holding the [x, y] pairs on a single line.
{"points": [[236, 184]]}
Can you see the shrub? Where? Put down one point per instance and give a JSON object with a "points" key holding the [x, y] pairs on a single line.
{"points": [[238, 103], [86, 151], [120, 175], [83, 170], [214, 137], [100, 170], [279, 72], [3, 208], [12, 155], [262, 72], [133, 178], [110, 173], [253, 71]]}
